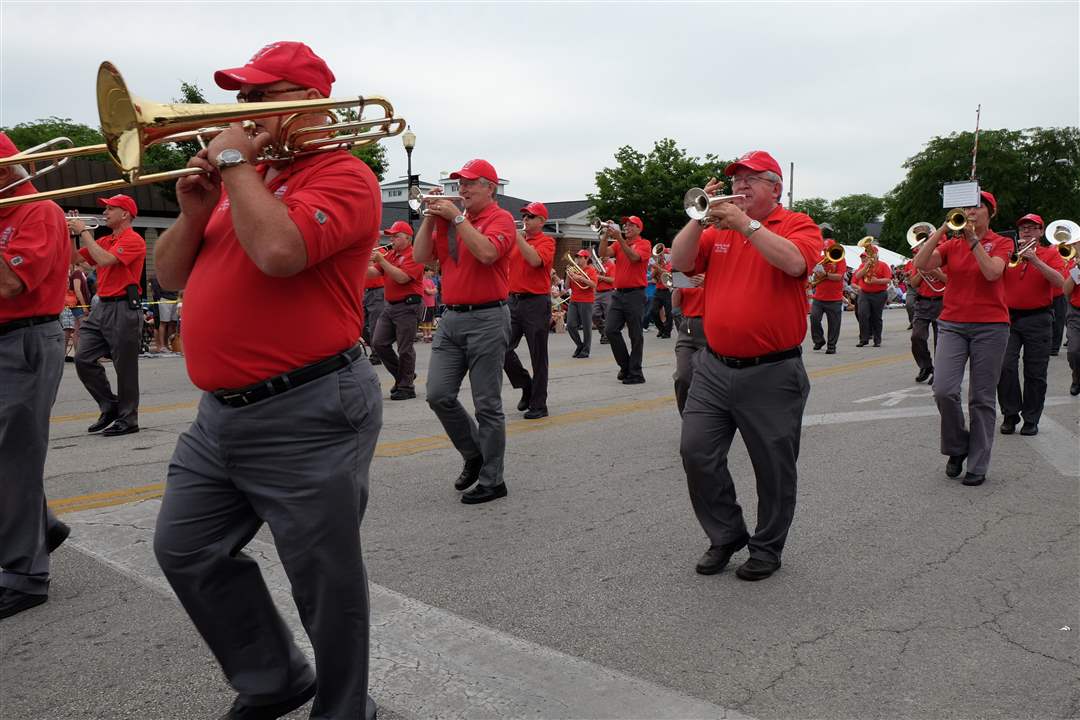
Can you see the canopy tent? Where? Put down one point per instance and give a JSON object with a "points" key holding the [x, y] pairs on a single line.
{"points": [[852, 253]]}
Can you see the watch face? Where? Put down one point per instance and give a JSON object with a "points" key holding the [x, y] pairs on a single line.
{"points": [[230, 156]]}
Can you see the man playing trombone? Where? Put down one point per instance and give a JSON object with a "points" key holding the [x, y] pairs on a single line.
{"points": [[286, 428], [756, 256], [404, 291], [827, 281], [929, 289], [530, 261], [631, 253]]}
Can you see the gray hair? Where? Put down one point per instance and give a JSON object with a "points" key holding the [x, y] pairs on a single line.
{"points": [[774, 178]]}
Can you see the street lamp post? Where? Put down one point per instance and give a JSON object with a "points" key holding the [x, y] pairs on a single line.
{"points": [[408, 139]]}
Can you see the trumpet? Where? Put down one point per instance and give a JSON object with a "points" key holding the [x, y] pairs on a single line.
{"points": [[659, 250], [92, 222], [1064, 234], [919, 233], [956, 220], [696, 203], [602, 226], [132, 124], [575, 274], [418, 200], [380, 251]]}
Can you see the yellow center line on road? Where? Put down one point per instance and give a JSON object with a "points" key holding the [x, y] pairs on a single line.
{"points": [[415, 446]]}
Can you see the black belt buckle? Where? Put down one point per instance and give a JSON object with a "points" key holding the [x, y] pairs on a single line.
{"points": [[233, 399]]}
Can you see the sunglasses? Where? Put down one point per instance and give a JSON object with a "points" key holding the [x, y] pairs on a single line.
{"points": [[258, 95]]}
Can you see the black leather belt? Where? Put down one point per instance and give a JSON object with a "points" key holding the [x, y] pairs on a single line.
{"points": [[626, 290], [1019, 313], [118, 298], [287, 381], [410, 300], [528, 295], [21, 323], [737, 363], [936, 298], [481, 306]]}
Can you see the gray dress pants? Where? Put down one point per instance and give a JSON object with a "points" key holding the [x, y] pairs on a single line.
{"points": [[475, 343], [765, 404], [298, 462], [834, 311], [1061, 314], [600, 309], [926, 315], [1031, 332], [627, 308], [691, 339], [374, 304], [112, 329], [31, 365], [871, 306], [397, 323], [579, 326], [983, 345]]}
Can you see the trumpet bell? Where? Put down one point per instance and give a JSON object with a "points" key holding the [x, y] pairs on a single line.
{"points": [[417, 199], [834, 253], [956, 220], [919, 233], [696, 202]]}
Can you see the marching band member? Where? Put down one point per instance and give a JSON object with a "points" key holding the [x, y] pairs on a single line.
{"points": [[472, 337], [691, 338], [873, 278], [928, 288], [579, 314], [828, 281], [34, 258], [631, 253], [751, 377], [530, 261], [374, 303], [404, 290], [114, 328], [1060, 307], [605, 289], [973, 326], [660, 265], [290, 442], [1071, 290], [1029, 287]]}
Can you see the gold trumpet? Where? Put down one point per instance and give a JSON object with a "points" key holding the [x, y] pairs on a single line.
{"points": [[418, 200], [956, 220], [1065, 234], [132, 124], [696, 203], [575, 274]]}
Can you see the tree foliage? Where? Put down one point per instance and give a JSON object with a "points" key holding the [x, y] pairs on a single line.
{"points": [[652, 186], [817, 208], [851, 213], [373, 154], [1033, 170]]}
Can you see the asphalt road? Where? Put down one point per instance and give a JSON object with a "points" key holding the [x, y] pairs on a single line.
{"points": [[902, 594]]}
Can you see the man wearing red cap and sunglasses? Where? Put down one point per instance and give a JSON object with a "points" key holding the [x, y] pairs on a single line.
{"points": [[34, 257], [287, 425], [750, 377], [973, 328], [472, 248], [113, 328], [1029, 293], [530, 263], [404, 292], [631, 253]]}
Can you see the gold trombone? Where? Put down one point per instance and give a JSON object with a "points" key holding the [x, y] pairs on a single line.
{"points": [[696, 203], [833, 254], [132, 124]]}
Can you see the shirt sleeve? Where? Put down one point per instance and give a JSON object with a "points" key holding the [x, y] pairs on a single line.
{"points": [[801, 230], [335, 209], [501, 233], [644, 250], [943, 250], [545, 248], [129, 249], [410, 267], [1003, 248], [31, 252]]}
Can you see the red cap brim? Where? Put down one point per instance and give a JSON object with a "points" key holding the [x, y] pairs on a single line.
{"points": [[459, 174], [234, 78]]}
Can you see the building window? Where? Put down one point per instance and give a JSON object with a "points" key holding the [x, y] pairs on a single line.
{"points": [[395, 193]]}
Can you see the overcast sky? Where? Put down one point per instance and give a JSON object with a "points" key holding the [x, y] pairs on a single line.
{"points": [[548, 91]]}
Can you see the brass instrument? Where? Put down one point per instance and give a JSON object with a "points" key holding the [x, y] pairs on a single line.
{"points": [[659, 250], [602, 226], [696, 203], [868, 246], [1065, 234], [597, 262], [1016, 257], [919, 233], [956, 220], [132, 124], [92, 222], [575, 274], [833, 254], [418, 200]]}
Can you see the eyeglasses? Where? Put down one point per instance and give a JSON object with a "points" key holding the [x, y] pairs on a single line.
{"points": [[747, 179], [526, 216], [464, 182], [258, 95]]}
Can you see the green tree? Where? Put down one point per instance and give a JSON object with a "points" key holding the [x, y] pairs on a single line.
{"points": [[1033, 170], [373, 154], [851, 213], [652, 186], [26, 135], [817, 208]]}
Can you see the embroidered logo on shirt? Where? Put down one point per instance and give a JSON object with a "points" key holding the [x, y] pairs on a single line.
{"points": [[5, 237], [721, 247], [320, 217], [988, 246], [119, 249], [16, 261]]}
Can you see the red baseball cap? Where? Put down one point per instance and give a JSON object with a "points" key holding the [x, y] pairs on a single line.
{"points": [[756, 161], [477, 169], [399, 226], [990, 200], [286, 60], [583, 253], [535, 208], [633, 219], [1032, 218], [121, 201], [7, 148]]}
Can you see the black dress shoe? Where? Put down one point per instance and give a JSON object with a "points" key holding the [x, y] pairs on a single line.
{"points": [[240, 711], [120, 427], [14, 601], [756, 569], [469, 474], [526, 395], [973, 479], [877, 344], [56, 535], [1008, 425], [818, 346], [830, 351], [955, 465], [402, 394], [104, 420], [862, 343], [717, 557], [636, 380], [924, 374], [1029, 429], [583, 355], [484, 493], [535, 414], [1074, 389], [622, 375]]}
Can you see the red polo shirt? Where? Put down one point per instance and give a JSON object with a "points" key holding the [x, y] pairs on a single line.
{"points": [[969, 297], [629, 274], [467, 281], [130, 249], [831, 290], [751, 307], [609, 271], [34, 242], [524, 278], [1025, 286], [881, 271], [583, 294], [692, 301], [241, 325], [396, 291]]}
